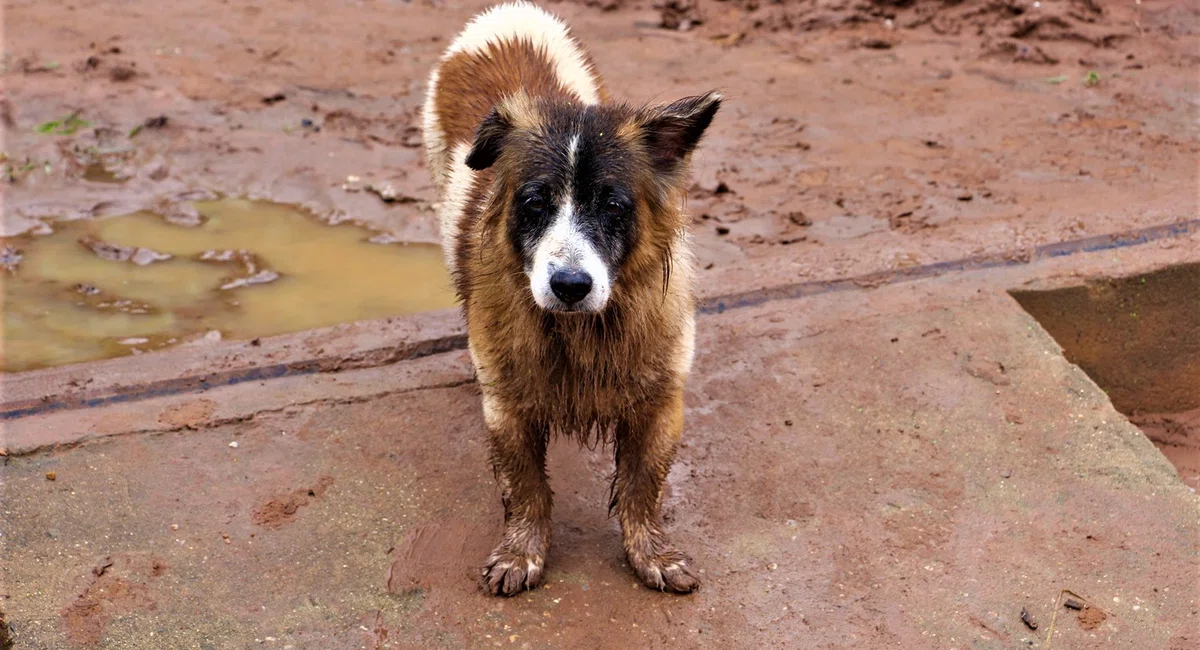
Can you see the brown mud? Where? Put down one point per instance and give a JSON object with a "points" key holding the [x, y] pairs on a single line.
{"points": [[1177, 436]]}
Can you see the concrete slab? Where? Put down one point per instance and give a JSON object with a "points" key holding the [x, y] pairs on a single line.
{"points": [[910, 466]]}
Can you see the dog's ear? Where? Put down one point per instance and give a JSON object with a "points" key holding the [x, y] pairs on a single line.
{"points": [[517, 111], [489, 139], [672, 131]]}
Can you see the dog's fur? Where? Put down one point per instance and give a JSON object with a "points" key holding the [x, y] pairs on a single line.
{"points": [[548, 191]]}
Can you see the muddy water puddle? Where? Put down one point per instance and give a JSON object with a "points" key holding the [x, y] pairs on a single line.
{"points": [[125, 285]]}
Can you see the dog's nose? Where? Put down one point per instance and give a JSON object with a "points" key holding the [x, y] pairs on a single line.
{"points": [[570, 286]]}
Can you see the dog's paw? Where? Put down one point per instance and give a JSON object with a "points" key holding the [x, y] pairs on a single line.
{"points": [[508, 572], [667, 570]]}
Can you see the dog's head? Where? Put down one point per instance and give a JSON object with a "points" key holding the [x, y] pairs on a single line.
{"points": [[581, 189]]}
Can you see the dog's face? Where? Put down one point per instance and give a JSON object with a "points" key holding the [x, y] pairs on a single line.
{"points": [[580, 185]]}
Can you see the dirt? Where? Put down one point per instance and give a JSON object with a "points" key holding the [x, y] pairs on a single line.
{"points": [[966, 150], [115, 587], [188, 414], [1091, 617], [281, 510], [1177, 435], [439, 556]]}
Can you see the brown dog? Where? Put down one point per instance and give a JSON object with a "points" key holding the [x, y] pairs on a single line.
{"points": [[563, 225]]}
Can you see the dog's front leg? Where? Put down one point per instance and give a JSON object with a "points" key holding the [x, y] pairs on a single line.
{"points": [[645, 449], [518, 455]]}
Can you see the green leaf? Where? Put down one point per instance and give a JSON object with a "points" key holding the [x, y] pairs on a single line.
{"points": [[1057, 80], [73, 124], [1092, 78], [65, 126]]}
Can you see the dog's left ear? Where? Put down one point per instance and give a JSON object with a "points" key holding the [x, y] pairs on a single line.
{"points": [[673, 131]]}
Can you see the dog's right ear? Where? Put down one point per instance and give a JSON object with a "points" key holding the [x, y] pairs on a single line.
{"points": [[489, 139]]}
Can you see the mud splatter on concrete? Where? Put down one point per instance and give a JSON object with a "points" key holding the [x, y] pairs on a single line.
{"points": [[1091, 617], [280, 510], [116, 586], [188, 414], [440, 553]]}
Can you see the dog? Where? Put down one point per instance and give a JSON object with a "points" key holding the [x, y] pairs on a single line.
{"points": [[562, 221]]}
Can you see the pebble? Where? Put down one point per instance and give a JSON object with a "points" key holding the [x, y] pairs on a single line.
{"points": [[233, 444]]}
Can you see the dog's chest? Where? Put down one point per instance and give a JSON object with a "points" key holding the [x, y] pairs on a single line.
{"points": [[573, 382]]}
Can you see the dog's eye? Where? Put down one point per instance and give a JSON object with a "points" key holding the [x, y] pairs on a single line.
{"points": [[534, 203], [614, 207]]}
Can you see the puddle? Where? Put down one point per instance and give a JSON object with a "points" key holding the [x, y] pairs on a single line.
{"points": [[1138, 338], [97, 173], [124, 285]]}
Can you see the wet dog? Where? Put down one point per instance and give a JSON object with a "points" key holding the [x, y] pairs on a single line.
{"points": [[562, 221]]}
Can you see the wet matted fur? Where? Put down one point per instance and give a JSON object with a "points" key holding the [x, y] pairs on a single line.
{"points": [[562, 220]]}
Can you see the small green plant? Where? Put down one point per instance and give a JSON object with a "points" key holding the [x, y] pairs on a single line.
{"points": [[1092, 78], [65, 126]]}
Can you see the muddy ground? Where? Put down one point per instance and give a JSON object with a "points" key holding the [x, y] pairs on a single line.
{"points": [[906, 127], [858, 135]]}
